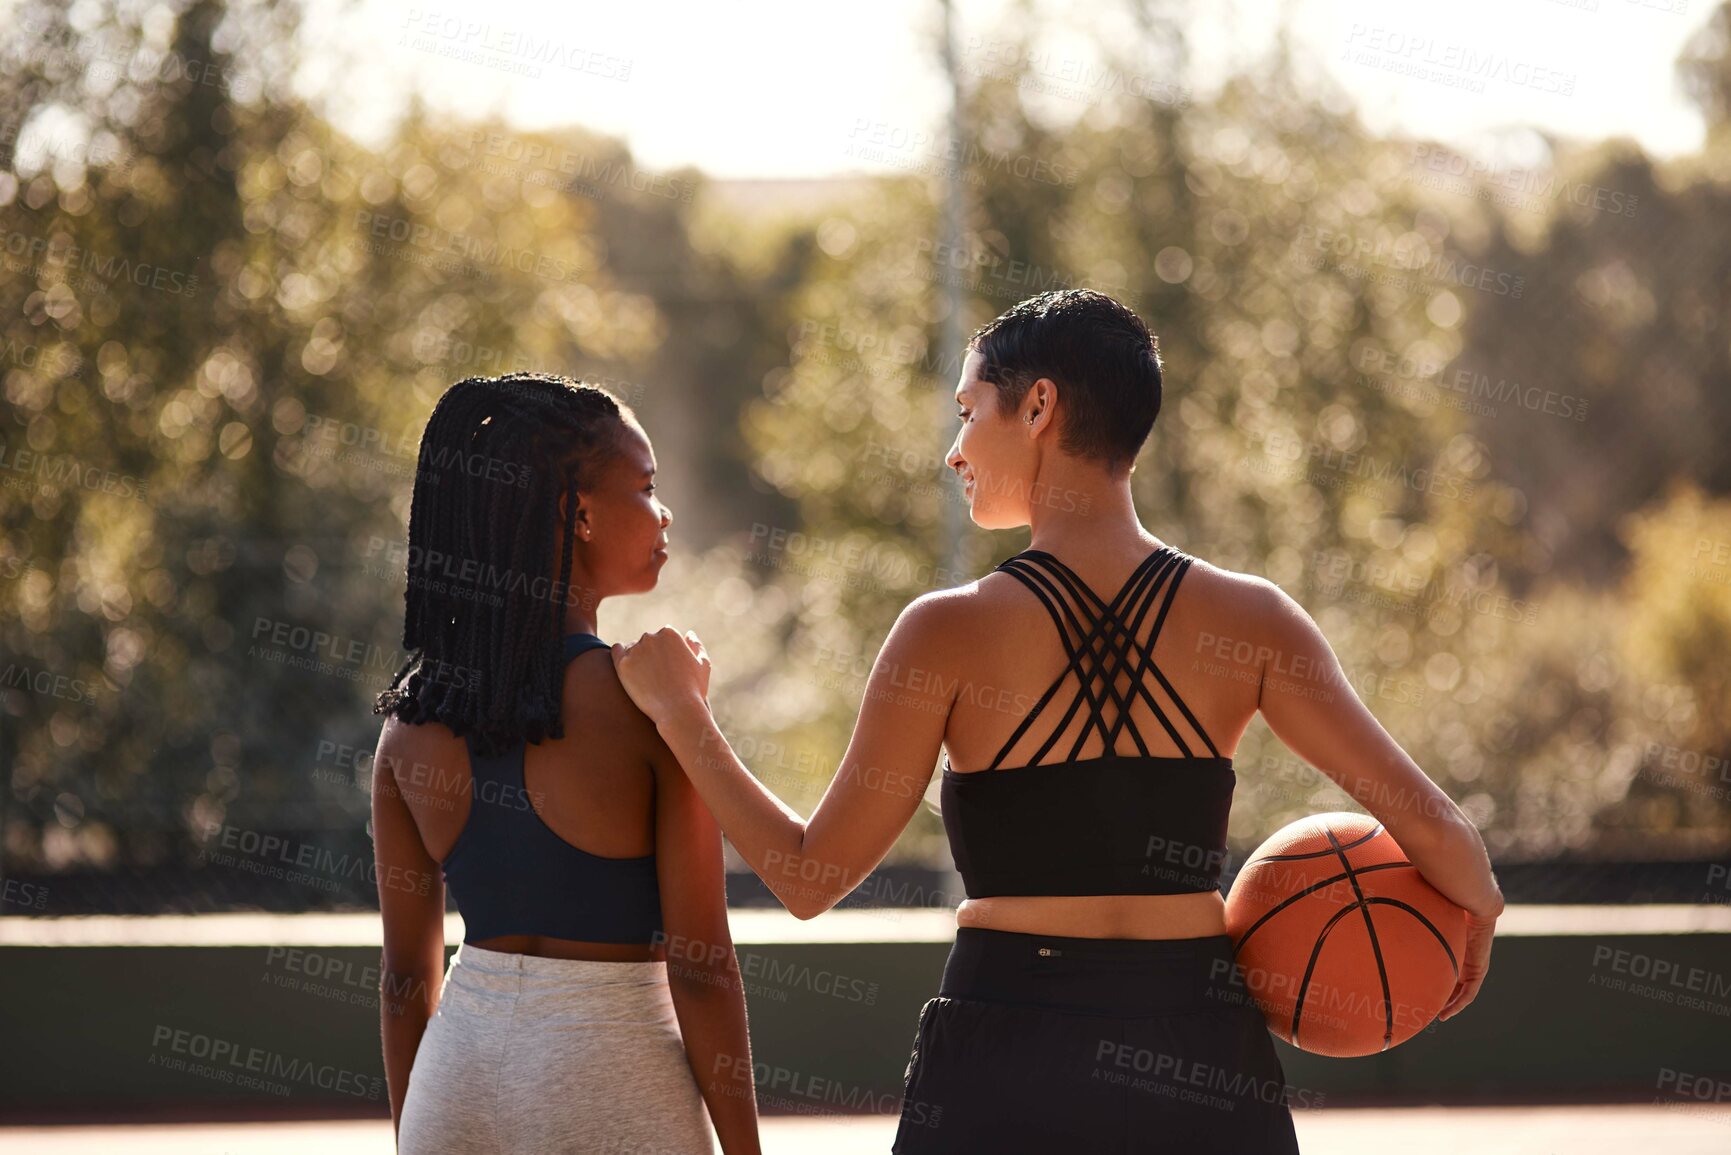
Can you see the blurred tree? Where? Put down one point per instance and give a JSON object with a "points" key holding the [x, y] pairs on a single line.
{"points": [[1426, 408], [225, 325], [1284, 447], [1676, 625], [1705, 71]]}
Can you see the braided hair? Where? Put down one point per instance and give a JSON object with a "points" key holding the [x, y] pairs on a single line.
{"points": [[498, 453]]}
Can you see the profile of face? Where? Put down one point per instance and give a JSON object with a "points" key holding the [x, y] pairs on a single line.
{"points": [[996, 451], [621, 523]]}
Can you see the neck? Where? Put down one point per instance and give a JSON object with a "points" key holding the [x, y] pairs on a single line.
{"points": [[582, 600], [1075, 510]]}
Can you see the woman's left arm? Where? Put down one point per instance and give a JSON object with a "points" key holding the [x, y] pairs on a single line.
{"points": [[412, 905], [811, 865]]}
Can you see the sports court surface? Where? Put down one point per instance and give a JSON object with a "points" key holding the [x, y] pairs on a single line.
{"points": [[1551, 1130]]}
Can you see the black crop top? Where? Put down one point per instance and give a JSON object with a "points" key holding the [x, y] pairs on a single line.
{"points": [[511, 874], [1113, 824]]}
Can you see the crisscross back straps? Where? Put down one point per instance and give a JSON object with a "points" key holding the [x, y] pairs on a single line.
{"points": [[1102, 646]]}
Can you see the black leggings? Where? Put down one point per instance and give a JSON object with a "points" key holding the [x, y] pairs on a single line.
{"points": [[1042, 1043]]}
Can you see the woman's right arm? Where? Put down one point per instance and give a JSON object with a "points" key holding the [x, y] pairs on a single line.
{"points": [[1311, 706], [877, 788], [702, 969]]}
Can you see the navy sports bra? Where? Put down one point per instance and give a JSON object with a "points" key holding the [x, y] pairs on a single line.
{"points": [[1113, 824], [511, 874]]}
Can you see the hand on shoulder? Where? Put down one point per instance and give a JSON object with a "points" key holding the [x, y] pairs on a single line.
{"points": [[663, 671]]}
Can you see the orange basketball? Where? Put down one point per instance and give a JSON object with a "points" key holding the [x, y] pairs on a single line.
{"points": [[1341, 942]]}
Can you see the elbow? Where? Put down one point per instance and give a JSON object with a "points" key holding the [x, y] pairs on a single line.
{"points": [[802, 900], [807, 907]]}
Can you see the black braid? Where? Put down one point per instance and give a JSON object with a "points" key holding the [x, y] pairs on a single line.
{"points": [[486, 656]]}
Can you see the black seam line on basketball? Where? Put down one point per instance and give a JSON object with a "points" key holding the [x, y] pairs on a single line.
{"points": [[1311, 889], [1359, 841], [1310, 968], [1428, 925], [1375, 945]]}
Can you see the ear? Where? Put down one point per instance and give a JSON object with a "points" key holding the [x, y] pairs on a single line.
{"points": [[1042, 403], [564, 502]]}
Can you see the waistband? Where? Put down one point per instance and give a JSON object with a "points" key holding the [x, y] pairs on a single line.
{"points": [[1118, 976], [479, 961]]}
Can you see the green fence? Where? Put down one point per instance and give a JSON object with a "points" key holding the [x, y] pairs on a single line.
{"points": [[217, 1012]]}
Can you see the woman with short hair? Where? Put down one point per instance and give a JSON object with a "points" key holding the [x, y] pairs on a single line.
{"points": [[1090, 1001]]}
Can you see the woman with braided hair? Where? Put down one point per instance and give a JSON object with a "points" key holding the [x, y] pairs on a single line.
{"points": [[595, 1001]]}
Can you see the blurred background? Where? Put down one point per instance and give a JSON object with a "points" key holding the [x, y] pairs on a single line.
{"points": [[1469, 402], [1444, 300]]}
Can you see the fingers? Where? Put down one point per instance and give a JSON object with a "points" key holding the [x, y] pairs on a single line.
{"points": [[1473, 971], [1460, 1001]]}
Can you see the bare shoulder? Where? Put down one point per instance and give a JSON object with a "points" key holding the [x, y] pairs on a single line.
{"points": [[402, 744], [1252, 598], [943, 620], [1271, 614], [424, 764], [593, 690], [1269, 628]]}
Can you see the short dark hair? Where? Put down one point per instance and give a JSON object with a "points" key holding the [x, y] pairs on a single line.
{"points": [[1106, 359]]}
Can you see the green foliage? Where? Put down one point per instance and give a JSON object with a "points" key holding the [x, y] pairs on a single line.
{"points": [[1421, 405], [225, 326]]}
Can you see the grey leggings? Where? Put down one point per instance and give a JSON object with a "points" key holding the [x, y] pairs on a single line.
{"points": [[530, 1054]]}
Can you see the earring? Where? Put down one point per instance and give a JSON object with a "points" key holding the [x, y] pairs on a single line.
{"points": [[1030, 419]]}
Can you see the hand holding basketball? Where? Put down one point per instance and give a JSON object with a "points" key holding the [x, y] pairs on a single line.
{"points": [[1345, 947], [1474, 966]]}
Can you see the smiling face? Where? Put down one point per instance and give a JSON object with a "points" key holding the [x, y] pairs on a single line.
{"points": [[994, 450], [621, 523]]}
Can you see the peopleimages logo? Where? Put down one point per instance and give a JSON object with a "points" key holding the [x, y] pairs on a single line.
{"points": [[480, 42], [20, 467], [229, 1062], [59, 253], [274, 856]]}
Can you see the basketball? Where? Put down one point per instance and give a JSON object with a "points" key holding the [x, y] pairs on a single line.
{"points": [[1342, 943]]}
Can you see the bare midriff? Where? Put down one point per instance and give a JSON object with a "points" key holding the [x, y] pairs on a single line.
{"points": [[540, 946], [1142, 916]]}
